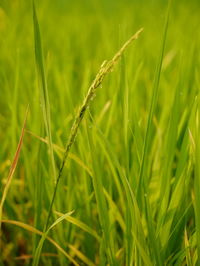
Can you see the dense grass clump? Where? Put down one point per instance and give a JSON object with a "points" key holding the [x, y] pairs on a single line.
{"points": [[99, 168]]}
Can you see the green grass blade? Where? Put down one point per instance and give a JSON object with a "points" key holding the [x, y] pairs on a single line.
{"points": [[81, 225], [143, 181], [44, 236], [36, 231], [102, 209], [43, 87], [13, 167], [135, 227]]}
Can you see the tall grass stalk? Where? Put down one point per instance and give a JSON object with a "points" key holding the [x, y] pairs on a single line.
{"points": [[105, 68]]}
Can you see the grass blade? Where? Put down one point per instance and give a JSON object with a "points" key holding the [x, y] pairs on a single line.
{"points": [[43, 87], [143, 169], [13, 167], [44, 236], [36, 231], [81, 225]]}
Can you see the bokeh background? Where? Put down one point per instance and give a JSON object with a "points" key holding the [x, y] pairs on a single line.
{"points": [[77, 36]]}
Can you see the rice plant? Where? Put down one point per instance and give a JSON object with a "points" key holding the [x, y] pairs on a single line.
{"points": [[106, 159]]}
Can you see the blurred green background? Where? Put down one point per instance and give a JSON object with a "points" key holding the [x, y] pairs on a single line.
{"points": [[77, 37]]}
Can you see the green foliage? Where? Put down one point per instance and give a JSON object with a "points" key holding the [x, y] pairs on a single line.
{"points": [[132, 175]]}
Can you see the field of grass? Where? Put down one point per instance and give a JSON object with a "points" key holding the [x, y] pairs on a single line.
{"points": [[121, 184]]}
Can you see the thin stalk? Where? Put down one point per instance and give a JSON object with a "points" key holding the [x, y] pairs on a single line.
{"points": [[105, 68], [143, 168]]}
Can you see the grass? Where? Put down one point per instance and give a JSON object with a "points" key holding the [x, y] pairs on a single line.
{"points": [[129, 192]]}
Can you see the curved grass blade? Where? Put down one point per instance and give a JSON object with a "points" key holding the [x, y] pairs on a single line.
{"points": [[59, 150], [81, 225], [38, 232], [13, 167], [44, 236]]}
